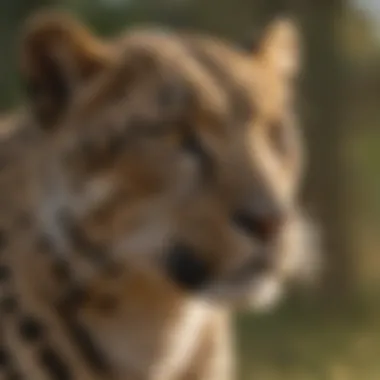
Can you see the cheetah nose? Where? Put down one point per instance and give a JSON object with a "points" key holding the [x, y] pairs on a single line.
{"points": [[262, 225], [186, 268]]}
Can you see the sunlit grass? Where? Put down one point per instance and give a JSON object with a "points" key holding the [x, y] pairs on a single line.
{"points": [[312, 343]]}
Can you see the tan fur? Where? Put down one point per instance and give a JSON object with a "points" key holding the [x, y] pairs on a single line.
{"points": [[114, 128]]}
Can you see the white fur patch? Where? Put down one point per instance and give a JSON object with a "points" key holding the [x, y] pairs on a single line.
{"points": [[182, 341], [266, 294], [261, 293], [301, 259]]}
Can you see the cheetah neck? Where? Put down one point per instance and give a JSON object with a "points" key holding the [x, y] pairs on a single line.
{"points": [[147, 329]]}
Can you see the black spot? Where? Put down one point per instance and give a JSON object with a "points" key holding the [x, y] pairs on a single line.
{"points": [[4, 358], [74, 298], [54, 364], [186, 269], [61, 270], [5, 273], [30, 329], [8, 305], [191, 144], [85, 344]]}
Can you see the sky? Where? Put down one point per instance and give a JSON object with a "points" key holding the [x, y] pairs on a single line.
{"points": [[370, 5], [372, 9]]}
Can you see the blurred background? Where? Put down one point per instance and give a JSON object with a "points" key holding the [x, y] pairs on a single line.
{"points": [[330, 331]]}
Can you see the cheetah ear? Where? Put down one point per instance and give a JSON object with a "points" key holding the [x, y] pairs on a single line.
{"points": [[57, 55], [280, 48]]}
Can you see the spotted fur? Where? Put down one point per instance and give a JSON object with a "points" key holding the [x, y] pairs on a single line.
{"points": [[151, 188]]}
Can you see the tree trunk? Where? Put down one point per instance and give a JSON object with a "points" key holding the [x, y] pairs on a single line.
{"points": [[327, 184]]}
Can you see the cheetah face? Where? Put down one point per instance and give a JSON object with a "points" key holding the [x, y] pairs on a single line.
{"points": [[174, 153]]}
